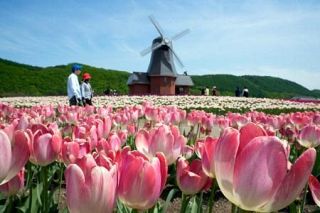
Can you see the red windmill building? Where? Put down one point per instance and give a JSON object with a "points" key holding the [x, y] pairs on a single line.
{"points": [[161, 77]]}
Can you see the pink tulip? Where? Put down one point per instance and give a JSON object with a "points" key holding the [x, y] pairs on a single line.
{"points": [[163, 139], [123, 135], [103, 127], [252, 170], [46, 144], [90, 187], [187, 151], [151, 113], [113, 143], [14, 185], [198, 148], [314, 186], [87, 132], [289, 130], [190, 178], [207, 156], [309, 136], [316, 119], [237, 120], [14, 154], [71, 150], [300, 119], [131, 129], [141, 180]]}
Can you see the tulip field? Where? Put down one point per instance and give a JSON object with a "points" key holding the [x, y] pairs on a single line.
{"points": [[143, 154]]}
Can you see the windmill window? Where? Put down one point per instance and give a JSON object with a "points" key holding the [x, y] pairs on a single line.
{"points": [[165, 80]]}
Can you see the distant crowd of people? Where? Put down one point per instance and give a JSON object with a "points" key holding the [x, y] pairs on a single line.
{"points": [[215, 92]]}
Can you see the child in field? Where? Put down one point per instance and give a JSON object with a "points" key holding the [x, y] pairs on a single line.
{"points": [[86, 90]]}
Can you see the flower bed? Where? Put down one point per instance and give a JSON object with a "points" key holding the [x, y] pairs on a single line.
{"points": [[139, 156]]}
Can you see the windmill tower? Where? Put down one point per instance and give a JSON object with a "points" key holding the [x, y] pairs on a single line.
{"points": [[161, 73]]}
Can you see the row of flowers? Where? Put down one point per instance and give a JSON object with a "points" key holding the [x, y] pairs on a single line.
{"points": [[126, 158], [184, 102]]}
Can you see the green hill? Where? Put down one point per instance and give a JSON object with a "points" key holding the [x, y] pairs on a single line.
{"points": [[259, 86], [316, 92], [24, 80]]}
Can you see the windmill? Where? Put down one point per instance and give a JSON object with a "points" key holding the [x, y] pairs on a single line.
{"points": [[161, 77], [161, 61]]}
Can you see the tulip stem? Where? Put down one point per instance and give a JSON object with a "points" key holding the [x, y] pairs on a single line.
{"points": [[200, 203], [29, 183], [10, 204], [304, 198], [198, 132], [234, 208], [213, 186], [60, 182], [44, 171], [184, 203], [293, 208]]}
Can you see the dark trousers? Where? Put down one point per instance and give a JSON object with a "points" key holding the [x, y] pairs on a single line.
{"points": [[87, 102], [73, 101]]}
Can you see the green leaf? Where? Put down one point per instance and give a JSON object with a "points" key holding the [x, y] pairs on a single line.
{"points": [[38, 193], [316, 167], [194, 205], [168, 200]]}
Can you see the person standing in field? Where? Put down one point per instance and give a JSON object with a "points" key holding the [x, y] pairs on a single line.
{"points": [[86, 89], [206, 91], [73, 86], [215, 91], [238, 92], [245, 92]]}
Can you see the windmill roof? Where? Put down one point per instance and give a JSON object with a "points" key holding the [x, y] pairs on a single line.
{"points": [[138, 78], [161, 61], [184, 80]]}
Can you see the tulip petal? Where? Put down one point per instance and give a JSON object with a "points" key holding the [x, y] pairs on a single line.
{"points": [[208, 152], [163, 169], [56, 143], [248, 132], [191, 179], [257, 175], [5, 155], [43, 150], [224, 157], [314, 186], [103, 185], [309, 136], [77, 192], [142, 141], [294, 182], [162, 141], [20, 153]]}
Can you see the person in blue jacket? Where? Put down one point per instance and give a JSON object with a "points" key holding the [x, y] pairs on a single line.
{"points": [[73, 86]]}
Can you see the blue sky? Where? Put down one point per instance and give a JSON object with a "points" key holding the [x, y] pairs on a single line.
{"points": [[276, 38]]}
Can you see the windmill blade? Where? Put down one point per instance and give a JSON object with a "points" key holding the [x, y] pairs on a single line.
{"points": [[149, 49], [157, 25], [179, 35], [178, 59], [146, 51]]}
